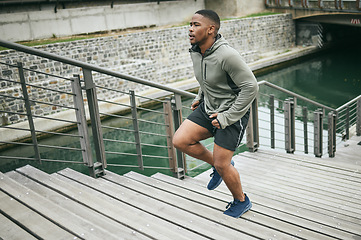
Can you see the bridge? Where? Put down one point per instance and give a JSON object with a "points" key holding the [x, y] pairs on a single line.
{"points": [[344, 12]]}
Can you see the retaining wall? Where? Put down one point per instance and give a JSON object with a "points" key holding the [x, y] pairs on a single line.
{"points": [[156, 55]]}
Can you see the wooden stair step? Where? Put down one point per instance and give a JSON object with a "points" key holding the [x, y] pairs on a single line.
{"points": [[78, 209], [49, 210], [142, 222], [184, 219], [207, 207], [296, 174], [274, 218], [21, 222]]}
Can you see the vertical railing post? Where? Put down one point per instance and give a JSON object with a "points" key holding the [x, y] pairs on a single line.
{"points": [[168, 116], [305, 128], [272, 119], [347, 123], [177, 119], [358, 117], [138, 146], [252, 128], [290, 3], [98, 167], [28, 112], [82, 122], [320, 4], [331, 134], [318, 116], [289, 113]]}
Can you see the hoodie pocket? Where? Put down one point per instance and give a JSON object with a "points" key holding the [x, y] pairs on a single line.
{"points": [[205, 71]]}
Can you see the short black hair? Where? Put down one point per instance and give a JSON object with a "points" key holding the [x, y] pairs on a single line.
{"points": [[212, 15]]}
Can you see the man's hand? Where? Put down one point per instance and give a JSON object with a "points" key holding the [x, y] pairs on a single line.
{"points": [[195, 105], [215, 121]]}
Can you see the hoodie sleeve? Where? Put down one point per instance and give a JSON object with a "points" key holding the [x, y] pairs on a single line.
{"points": [[199, 96], [245, 84]]}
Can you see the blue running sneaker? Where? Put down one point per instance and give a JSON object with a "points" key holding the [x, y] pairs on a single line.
{"points": [[237, 208], [216, 178]]}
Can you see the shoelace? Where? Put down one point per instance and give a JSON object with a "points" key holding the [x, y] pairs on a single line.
{"points": [[212, 174], [230, 204]]}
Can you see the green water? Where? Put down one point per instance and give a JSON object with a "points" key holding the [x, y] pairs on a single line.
{"points": [[331, 78]]}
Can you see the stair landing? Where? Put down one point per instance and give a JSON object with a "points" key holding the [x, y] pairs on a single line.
{"points": [[294, 197]]}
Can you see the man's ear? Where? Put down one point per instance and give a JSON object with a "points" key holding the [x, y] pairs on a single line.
{"points": [[211, 30]]}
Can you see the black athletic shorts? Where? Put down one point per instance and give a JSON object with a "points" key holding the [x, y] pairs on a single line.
{"points": [[228, 138]]}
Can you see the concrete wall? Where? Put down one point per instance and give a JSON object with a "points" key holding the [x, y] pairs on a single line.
{"points": [[235, 8], [30, 24], [158, 55]]}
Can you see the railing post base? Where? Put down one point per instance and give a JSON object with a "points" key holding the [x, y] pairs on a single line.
{"points": [[252, 128]]}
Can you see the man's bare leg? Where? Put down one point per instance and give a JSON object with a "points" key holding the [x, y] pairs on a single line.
{"points": [[187, 139], [222, 162]]}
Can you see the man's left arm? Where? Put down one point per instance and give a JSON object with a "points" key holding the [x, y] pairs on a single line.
{"points": [[245, 80]]}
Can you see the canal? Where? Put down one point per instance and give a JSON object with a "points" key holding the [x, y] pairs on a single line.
{"points": [[332, 78]]}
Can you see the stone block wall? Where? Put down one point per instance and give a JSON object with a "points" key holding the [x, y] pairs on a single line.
{"points": [[156, 55]]}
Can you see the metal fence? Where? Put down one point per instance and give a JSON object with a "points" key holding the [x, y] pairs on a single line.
{"points": [[129, 129], [324, 5], [136, 113], [293, 123]]}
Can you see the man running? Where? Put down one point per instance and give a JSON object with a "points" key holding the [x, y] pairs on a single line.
{"points": [[221, 108]]}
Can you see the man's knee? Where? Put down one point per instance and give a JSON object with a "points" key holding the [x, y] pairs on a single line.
{"points": [[176, 142], [180, 142], [221, 166]]}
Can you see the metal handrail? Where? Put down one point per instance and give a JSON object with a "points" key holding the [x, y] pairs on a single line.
{"points": [[91, 67], [295, 95], [348, 103]]}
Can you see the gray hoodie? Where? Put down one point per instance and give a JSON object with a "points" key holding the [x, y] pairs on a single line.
{"points": [[227, 84]]}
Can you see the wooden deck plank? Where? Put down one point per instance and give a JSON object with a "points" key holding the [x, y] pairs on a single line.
{"points": [[311, 163], [78, 209], [216, 217], [349, 153], [129, 216], [285, 179], [269, 190], [299, 174], [306, 162], [244, 227], [64, 218], [164, 210], [31, 220], [10, 231], [304, 228], [272, 192], [296, 208], [211, 209], [336, 203]]}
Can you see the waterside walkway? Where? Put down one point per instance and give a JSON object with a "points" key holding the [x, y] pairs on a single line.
{"points": [[294, 197]]}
